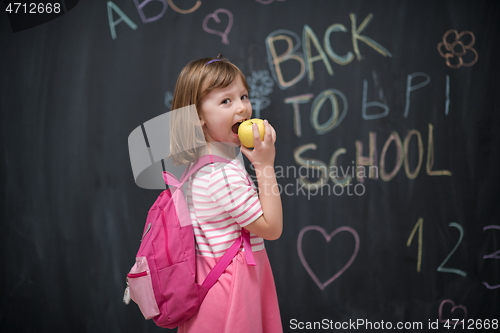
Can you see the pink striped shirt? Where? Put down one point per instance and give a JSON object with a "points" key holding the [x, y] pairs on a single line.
{"points": [[222, 199]]}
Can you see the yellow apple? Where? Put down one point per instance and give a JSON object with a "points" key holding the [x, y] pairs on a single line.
{"points": [[245, 132]]}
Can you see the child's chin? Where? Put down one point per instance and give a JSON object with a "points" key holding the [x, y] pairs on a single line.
{"points": [[231, 144]]}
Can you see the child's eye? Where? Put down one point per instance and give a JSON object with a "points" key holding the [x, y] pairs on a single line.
{"points": [[244, 97], [226, 101]]}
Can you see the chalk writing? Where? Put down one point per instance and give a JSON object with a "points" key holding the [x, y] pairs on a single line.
{"points": [[123, 18], [346, 178], [111, 7], [341, 60], [215, 16], [410, 174], [447, 103], [453, 49], [184, 11], [460, 310], [311, 163], [336, 117], [328, 238], [365, 105], [410, 88], [430, 156], [371, 161], [399, 161], [306, 59], [441, 267], [267, 2], [308, 36], [418, 226], [140, 10], [290, 54], [370, 42], [295, 101], [494, 255]]}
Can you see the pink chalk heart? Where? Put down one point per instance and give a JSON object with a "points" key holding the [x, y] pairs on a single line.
{"points": [[453, 309], [328, 238], [215, 17], [267, 2]]}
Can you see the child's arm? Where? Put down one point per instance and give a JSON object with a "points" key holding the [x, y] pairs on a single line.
{"points": [[270, 224]]}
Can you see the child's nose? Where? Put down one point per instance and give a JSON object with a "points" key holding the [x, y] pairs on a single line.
{"points": [[240, 107]]}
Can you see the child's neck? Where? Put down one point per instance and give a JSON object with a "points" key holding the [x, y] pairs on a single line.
{"points": [[221, 149]]}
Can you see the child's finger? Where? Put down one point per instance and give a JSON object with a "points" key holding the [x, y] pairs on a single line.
{"points": [[270, 134], [273, 133], [256, 136], [247, 152]]}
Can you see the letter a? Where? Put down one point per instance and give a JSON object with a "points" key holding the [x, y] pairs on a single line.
{"points": [[123, 17]]}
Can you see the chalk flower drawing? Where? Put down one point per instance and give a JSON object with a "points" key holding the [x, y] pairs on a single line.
{"points": [[261, 85], [454, 49], [168, 99]]}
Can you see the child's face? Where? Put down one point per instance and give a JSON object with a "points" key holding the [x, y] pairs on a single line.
{"points": [[222, 109]]}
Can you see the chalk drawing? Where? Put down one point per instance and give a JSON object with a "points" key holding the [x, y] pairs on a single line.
{"points": [[215, 16], [267, 2], [458, 308], [328, 238], [261, 85], [453, 49], [169, 96]]}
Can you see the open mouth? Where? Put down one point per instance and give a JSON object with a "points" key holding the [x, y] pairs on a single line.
{"points": [[237, 126]]}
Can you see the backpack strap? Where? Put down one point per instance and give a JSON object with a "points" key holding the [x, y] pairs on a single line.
{"points": [[221, 266], [226, 259], [171, 180], [245, 234], [178, 196], [200, 163]]}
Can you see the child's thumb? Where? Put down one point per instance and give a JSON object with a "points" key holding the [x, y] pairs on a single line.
{"points": [[247, 152]]}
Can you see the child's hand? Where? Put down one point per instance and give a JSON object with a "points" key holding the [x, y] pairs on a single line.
{"points": [[264, 152]]}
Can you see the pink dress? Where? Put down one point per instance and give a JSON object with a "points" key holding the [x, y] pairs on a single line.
{"points": [[222, 200]]}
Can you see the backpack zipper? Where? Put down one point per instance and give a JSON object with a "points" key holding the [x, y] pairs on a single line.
{"points": [[166, 237], [136, 275], [145, 232]]}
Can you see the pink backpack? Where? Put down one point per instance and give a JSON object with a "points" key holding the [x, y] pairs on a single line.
{"points": [[163, 280]]}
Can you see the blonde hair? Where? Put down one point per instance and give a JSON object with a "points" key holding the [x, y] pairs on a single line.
{"points": [[196, 80]]}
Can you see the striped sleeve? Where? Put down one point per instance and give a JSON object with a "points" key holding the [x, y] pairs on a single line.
{"points": [[231, 188]]}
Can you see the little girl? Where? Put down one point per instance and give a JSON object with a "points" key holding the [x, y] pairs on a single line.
{"points": [[224, 202]]}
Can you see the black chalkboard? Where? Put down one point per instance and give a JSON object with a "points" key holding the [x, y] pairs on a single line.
{"points": [[390, 107]]}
